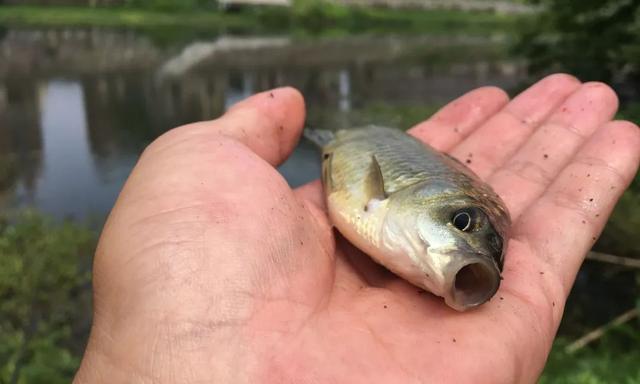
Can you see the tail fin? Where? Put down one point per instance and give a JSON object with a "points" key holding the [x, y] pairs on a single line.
{"points": [[319, 137]]}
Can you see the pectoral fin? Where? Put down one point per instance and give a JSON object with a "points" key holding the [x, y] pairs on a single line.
{"points": [[326, 171], [373, 183]]}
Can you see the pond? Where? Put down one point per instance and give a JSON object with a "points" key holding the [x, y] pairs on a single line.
{"points": [[78, 105]]}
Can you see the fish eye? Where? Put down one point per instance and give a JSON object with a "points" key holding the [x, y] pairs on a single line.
{"points": [[462, 221]]}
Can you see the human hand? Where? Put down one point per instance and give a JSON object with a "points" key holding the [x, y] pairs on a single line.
{"points": [[211, 269]]}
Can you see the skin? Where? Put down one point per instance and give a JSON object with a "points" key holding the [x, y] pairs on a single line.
{"points": [[211, 269]]}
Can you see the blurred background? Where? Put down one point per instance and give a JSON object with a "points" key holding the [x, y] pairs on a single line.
{"points": [[85, 85]]}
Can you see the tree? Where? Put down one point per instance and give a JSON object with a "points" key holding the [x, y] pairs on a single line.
{"points": [[594, 39]]}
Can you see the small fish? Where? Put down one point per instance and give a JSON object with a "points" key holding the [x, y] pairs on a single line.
{"points": [[418, 212]]}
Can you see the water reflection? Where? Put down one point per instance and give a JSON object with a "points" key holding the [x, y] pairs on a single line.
{"points": [[69, 175], [241, 86], [344, 90], [20, 140], [72, 129]]}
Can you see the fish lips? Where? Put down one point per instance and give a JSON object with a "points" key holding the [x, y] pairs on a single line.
{"points": [[472, 280]]}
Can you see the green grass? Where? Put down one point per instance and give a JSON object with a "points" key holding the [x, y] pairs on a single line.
{"points": [[312, 19], [115, 17]]}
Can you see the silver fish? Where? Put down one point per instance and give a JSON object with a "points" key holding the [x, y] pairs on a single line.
{"points": [[418, 212]]}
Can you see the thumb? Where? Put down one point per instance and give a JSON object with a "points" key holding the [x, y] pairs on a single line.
{"points": [[269, 123], [185, 183], [193, 229]]}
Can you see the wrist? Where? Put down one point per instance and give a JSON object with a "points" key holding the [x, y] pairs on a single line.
{"points": [[162, 354]]}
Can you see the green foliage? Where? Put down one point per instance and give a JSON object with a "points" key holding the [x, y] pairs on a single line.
{"points": [[118, 17], [44, 298], [630, 111], [303, 18], [170, 5], [7, 171], [623, 225], [593, 39], [319, 16], [613, 360]]}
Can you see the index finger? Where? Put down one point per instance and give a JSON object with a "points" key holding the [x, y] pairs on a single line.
{"points": [[456, 120]]}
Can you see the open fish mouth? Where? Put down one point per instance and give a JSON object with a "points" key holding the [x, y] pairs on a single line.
{"points": [[473, 282]]}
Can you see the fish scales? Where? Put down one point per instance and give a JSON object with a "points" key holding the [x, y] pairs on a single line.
{"points": [[402, 162]]}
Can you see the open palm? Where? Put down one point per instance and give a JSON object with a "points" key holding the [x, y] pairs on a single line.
{"points": [[211, 269]]}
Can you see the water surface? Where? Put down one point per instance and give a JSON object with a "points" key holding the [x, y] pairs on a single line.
{"points": [[78, 106]]}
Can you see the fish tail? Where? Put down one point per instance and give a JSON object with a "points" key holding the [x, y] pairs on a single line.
{"points": [[320, 137]]}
